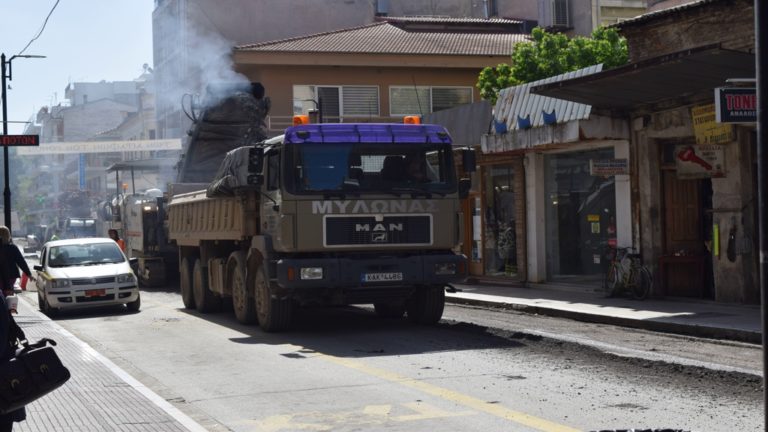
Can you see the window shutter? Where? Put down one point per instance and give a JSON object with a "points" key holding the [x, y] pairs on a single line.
{"points": [[444, 98], [361, 101]]}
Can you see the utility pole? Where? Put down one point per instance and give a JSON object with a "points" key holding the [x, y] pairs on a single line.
{"points": [[5, 69], [7, 190]]}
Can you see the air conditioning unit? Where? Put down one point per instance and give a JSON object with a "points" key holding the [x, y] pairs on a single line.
{"points": [[555, 13]]}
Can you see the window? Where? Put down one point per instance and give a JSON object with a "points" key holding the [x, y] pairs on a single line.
{"points": [[423, 100], [337, 101]]}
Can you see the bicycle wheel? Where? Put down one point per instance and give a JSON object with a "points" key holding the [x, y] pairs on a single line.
{"points": [[611, 280], [641, 287]]}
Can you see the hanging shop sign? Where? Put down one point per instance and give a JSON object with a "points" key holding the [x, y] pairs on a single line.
{"points": [[699, 161], [735, 105], [706, 128], [608, 167]]}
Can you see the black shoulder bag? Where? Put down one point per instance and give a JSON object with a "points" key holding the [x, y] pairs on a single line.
{"points": [[34, 371]]}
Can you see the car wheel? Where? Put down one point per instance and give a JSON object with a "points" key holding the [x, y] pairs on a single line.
{"points": [[41, 304], [135, 305]]}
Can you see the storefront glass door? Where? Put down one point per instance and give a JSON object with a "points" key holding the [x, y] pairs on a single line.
{"points": [[580, 216], [500, 254]]}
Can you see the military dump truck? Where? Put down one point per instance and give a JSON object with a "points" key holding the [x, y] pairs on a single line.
{"points": [[329, 214]]}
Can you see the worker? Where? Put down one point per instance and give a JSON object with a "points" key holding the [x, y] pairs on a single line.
{"points": [[114, 236]]}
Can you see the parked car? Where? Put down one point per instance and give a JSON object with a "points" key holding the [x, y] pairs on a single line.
{"points": [[85, 272]]}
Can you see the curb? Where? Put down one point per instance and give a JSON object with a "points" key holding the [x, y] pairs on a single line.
{"points": [[652, 325]]}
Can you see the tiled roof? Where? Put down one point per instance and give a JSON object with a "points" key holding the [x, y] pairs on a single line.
{"points": [[661, 13], [386, 38], [448, 20]]}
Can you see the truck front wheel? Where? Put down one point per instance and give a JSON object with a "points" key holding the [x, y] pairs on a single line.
{"points": [[426, 305], [205, 300], [273, 314], [185, 282], [242, 302]]}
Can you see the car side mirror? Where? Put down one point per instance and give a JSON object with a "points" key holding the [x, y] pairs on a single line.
{"points": [[465, 185], [38, 267]]}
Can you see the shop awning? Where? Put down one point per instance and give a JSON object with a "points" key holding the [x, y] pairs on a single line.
{"points": [[654, 80]]}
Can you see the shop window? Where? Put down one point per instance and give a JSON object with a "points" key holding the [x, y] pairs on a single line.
{"points": [[580, 216]]}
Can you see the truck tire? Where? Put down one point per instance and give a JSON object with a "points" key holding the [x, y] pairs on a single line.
{"points": [[243, 303], [426, 305], [205, 300], [389, 310], [273, 314], [185, 284]]}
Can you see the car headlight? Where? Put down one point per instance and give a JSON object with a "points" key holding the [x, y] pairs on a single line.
{"points": [[445, 269], [311, 273], [128, 277], [59, 283]]}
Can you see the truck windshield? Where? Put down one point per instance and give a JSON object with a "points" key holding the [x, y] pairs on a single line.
{"points": [[370, 168]]}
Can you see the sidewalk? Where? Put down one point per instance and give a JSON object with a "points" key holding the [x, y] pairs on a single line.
{"points": [[99, 397], [680, 316]]}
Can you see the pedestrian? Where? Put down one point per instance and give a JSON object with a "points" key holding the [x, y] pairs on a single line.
{"points": [[8, 341], [114, 236], [11, 261], [55, 235]]}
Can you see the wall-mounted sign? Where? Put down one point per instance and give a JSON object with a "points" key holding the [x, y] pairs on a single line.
{"points": [[19, 140], [608, 167], [705, 127], [735, 105], [699, 161]]}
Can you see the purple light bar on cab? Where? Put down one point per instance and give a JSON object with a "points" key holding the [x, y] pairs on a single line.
{"points": [[366, 133]]}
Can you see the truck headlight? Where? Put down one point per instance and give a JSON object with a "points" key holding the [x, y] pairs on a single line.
{"points": [[311, 273], [128, 277], [445, 269], [59, 283]]}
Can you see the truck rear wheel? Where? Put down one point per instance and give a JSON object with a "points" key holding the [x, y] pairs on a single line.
{"points": [[426, 305], [273, 314], [205, 300], [185, 283], [242, 302]]}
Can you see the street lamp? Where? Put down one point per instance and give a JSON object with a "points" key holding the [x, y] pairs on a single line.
{"points": [[7, 191]]}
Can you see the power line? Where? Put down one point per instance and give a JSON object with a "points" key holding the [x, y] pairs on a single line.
{"points": [[41, 28]]}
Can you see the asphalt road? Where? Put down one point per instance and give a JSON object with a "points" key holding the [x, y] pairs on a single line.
{"points": [[344, 369]]}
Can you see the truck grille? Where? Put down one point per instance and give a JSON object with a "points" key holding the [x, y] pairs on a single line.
{"points": [[365, 230]]}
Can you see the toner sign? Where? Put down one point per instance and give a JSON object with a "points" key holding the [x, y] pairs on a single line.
{"points": [[736, 105], [19, 140]]}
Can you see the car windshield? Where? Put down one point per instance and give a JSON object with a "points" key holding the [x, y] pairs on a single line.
{"points": [[85, 254], [364, 168]]}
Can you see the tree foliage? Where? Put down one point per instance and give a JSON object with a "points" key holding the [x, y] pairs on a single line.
{"points": [[550, 54]]}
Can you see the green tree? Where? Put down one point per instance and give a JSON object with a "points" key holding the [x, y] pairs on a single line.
{"points": [[550, 54]]}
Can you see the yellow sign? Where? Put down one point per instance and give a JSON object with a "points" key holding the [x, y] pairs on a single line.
{"points": [[705, 127], [593, 218]]}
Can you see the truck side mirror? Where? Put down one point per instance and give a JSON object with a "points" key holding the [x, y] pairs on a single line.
{"points": [[468, 160], [465, 185]]}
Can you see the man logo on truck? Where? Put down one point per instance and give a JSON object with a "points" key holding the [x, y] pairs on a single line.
{"points": [[379, 227]]}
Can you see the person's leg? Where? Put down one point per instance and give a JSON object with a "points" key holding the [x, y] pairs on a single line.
{"points": [[6, 423]]}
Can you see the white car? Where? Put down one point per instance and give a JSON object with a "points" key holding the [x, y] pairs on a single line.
{"points": [[85, 272]]}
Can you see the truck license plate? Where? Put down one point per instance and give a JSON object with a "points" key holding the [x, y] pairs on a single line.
{"points": [[382, 277]]}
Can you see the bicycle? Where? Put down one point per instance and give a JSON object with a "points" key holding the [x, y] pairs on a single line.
{"points": [[627, 274]]}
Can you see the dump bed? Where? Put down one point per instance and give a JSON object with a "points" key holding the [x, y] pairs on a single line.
{"points": [[194, 217]]}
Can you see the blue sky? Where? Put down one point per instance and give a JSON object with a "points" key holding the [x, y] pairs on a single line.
{"points": [[84, 40]]}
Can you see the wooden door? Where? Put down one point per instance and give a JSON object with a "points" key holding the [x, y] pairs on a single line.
{"points": [[682, 234]]}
